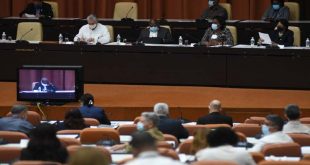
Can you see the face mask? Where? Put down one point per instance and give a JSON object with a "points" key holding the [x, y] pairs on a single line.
{"points": [[211, 3], [276, 6], [92, 27], [265, 130], [154, 29], [140, 127], [214, 26]]}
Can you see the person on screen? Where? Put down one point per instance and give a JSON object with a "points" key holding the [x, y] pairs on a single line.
{"points": [[88, 110], [93, 32], [44, 86], [17, 121], [214, 10], [217, 34], [154, 30], [276, 11], [37, 8]]}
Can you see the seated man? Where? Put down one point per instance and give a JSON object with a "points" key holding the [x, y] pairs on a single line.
{"points": [[276, 11], [215, 116], [93, 32], [17, 121], [217, 34], [144, 150], [214, 10], [221, 147], [292, 113], [44, 86], [272, 133], [169, 126], [37, 8], [155, 32]]}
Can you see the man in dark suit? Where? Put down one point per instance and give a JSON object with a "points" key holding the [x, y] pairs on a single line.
{"points": [[37, 8], [154, 33], [169, 126], [214, 10], [44, 85], [215, 116]]}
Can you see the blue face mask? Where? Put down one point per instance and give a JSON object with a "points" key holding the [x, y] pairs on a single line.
{"points": [[276, 6], [211, 3], [265, 130], [140, 127], [214, 26], [154, 29]]}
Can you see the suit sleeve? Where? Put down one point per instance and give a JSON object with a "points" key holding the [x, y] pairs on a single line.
{"points": [[49, 11], [168, 37], [104, 119], [183, 134], [142, 35], [290, 39]]}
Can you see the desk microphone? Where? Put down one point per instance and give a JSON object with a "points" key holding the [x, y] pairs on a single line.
{"points": [[126, 18], [21, 41]]}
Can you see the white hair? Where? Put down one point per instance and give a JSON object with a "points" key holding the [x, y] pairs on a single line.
{"points": [[161, 109], [91, 17], [151, 117]]}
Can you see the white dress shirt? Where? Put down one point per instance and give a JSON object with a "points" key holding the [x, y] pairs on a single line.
{"points": [[296, 127], [226, 153], [153, 34], [99, 34], [273, 138], [153, 158]]}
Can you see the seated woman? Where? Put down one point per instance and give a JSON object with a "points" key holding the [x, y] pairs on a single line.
{"points": [[73, 120], [44, 145], [276, 11], [217, 34], [148, 123], [155, 34], [88, 110]]}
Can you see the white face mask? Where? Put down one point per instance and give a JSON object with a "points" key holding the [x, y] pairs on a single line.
{"points": [[92, 27]]}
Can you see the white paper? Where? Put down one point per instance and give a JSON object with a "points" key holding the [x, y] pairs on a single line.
{"points": [[265, 37]]}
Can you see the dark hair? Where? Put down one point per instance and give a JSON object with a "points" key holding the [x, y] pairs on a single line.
{"points": [[292, 112], [142, 139], [222, 136], [276, 120], [44, 145], [87, 100], [222, 21], [156, 22], [284, 22], [74, 120], [281, 2]]}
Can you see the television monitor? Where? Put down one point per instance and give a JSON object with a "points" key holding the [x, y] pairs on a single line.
{"points": [[50, 84]]}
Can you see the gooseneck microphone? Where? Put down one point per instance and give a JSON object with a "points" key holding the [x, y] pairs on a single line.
{"points": [[22, 37], [126, 18]]}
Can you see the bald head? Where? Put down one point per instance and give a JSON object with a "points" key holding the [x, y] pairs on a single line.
{"points": [[215, 106]]}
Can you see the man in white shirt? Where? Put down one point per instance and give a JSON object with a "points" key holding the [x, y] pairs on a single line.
{"points": [[145, 151], [292, 113], [272, 131], [93, 32], [221, 142]]}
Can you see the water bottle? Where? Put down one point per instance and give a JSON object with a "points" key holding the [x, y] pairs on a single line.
{"points": [[180, 41], [307, 43], [118, 39], [3, 36], [60, 39], [252, 42]]}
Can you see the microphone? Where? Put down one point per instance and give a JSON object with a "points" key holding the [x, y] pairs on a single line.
{"points": [[126, 18], [21, 41]]}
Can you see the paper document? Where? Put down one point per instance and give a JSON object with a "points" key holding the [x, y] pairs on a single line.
{"points": [[265, 38]]}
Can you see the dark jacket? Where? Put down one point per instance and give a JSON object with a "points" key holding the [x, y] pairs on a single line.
{"points": [[162, 33], [273, 15], [216, 10], [287, 39], [50, 88], [215, 118], [60, 155], [172, 127], [45, 10], [96, 113]]}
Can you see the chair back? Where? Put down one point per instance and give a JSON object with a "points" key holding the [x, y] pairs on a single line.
{"points": [[193, 128], [70, 142], [297, 35], [126, 9], [33, 162], [284, 163], [282, 149], [227, 7], [249, 130], [93, 135], [91, 122], [185, 147], [138, 119], [294, 10], [257, 157], [111, 32], [167, 27], [234, 33], [127, 129], [305, 120], [12, 137], [73, 149], [255, 120], [63, 132], [301, 139], [169, 137], [32, 117], [9, 154], [54, 8], [213, 162], [164, 144], [168, 153], [36, 34]]}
